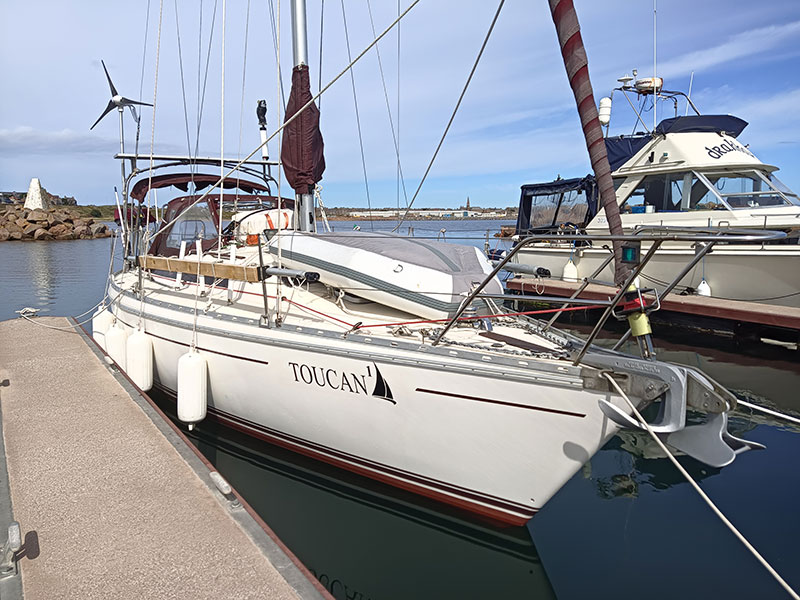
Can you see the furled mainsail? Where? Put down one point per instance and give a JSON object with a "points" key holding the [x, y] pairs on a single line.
{"points": [[302, 150]]}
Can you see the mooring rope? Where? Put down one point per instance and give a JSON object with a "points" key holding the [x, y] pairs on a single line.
{"points": [[703, 495]]}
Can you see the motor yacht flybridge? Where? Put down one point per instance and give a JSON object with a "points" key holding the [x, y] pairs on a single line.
{"points": [[389, 356], [687, 171]]}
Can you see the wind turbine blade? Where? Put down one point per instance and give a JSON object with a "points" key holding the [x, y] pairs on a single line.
{"points": [[127, 101], [111, 106], [111, 85]]}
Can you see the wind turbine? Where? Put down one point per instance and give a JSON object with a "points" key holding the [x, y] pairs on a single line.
{"points": [[120, 102], [117, 101]]}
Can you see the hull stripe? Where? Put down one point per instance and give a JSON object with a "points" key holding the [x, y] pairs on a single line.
{"points": [[502, 403]]}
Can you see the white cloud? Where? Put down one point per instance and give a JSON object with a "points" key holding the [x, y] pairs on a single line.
{"points": [[26, 140], [744, 44]]}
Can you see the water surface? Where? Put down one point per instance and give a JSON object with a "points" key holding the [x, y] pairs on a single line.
{"points": [[625, 526]]}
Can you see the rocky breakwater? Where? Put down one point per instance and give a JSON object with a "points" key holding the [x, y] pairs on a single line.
{"points": [[58, 223]]}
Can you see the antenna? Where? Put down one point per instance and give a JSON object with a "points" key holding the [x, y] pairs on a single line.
{"points": [[689, 95], [117, 101], [655, 90]]}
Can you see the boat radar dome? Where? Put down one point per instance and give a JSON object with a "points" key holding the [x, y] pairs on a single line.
{"points": [[649, 85]]}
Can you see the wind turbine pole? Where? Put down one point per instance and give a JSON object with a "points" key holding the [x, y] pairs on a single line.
{"points": [[125, 211]]}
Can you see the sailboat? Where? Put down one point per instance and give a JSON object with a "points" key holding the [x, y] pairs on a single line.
{"points": [[388, 356]]}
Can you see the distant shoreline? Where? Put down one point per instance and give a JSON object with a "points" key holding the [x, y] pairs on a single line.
{"points": [[106, 212]]}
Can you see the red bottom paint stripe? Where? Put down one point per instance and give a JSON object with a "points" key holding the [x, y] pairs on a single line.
{"points": [[495, 509]]}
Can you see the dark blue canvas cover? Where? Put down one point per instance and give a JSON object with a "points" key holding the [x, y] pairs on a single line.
{"points": [[711, 123], [559, 186]]}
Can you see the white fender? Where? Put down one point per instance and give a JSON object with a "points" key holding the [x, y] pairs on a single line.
{"points": [[192, 388], [703, 289], [139, 355], [101, 321], [570, 271], [116, 346]]}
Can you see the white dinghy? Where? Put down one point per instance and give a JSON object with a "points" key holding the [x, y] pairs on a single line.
{"points": [[421, 277]]}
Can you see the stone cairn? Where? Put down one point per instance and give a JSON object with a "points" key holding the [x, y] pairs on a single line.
{"points": [[58, 223], [37, 220]]}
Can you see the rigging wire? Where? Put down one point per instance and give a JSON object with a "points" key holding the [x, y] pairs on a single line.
{"points": [[702, 494], [297, 114], [241, 107], [358, 120], [141, 78], [453, 116], [388, 108], [222, 134], [202, 96], [321, 23], [199, 64], [153, 122], [183, 83], [398, 113], [276, 37], [281, 106]]}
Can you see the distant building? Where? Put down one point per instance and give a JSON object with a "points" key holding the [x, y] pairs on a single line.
{"points": [[12, 197], [425, 213]]}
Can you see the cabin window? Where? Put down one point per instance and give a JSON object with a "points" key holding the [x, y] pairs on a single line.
{"points": [[655, 193], [783, 189], [195, 223], [548, 210], [574, 207], [543, 209], [747, 189]]}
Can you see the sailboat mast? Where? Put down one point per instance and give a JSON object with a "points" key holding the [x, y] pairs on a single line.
{"points": [[299, 33], [302, 148], [304, 201]]}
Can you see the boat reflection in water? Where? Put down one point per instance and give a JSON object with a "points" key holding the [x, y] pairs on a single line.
{"points": [[365, 540]]}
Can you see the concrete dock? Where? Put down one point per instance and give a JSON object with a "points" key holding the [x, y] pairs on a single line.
{"points": [[112, 500]]}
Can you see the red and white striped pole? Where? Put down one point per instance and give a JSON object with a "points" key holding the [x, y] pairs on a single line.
{"points": [[575, 61]]}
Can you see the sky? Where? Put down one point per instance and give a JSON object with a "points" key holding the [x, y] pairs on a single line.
{"points": [[517, 123]]}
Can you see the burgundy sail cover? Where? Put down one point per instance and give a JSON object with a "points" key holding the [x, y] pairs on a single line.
{"points": [[302, 150]]}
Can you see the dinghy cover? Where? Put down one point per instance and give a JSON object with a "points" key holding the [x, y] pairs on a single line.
{"points": [[425, 278]]}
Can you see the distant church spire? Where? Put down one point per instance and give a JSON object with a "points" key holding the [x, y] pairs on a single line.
{"points": [[467, 202]]}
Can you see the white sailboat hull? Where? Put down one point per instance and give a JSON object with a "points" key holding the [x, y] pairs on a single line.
{"points": [[494, 440]]}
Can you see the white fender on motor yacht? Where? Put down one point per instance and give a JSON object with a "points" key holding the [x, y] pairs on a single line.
{"points": [[570, 272], [192, 388], [703, 289], [116, 344], [139, 358]]}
